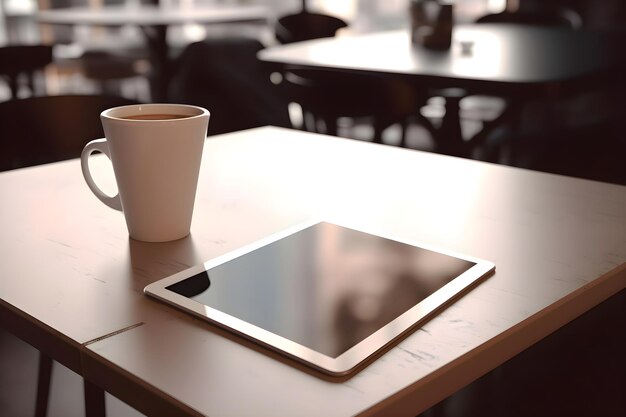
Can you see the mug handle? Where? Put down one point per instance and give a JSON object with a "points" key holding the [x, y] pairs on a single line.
{"points": [[102, 146]]}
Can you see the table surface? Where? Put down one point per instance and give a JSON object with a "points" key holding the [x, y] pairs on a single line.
{"points": [[150, 15], [71, 280], [501, 54]]}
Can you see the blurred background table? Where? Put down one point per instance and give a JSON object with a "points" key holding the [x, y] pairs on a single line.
{"points": [[514, 61], [154, 21]]}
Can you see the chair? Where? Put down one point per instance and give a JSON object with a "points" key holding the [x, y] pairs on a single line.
{"points": [[23, 60], [306, 25], [326, 96], [109, 69], [224, 76], [40, 130], [489, 110], [104, 57]]}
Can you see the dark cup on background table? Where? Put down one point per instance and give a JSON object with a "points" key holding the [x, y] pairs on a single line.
{"points": [[431, 24]]}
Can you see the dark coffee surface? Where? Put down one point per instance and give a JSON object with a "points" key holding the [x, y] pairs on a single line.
{"points": [[157, 116]]}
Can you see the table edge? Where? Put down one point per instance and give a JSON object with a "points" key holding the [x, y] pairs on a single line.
{"points": [[460, 372]]}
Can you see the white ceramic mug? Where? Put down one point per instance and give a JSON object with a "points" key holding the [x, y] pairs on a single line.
{"points": [[156, 162]]}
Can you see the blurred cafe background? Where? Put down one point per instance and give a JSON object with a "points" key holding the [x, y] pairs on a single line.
{"points": [[64, 61], [189, 53]]}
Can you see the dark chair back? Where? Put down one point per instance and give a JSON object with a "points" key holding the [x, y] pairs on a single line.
{"points": [[40, 130], [225, 76], [327, 95], [305, 26], [16, 60]]}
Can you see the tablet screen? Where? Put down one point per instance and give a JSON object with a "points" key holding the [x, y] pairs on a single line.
{"points": [[326, 287]]}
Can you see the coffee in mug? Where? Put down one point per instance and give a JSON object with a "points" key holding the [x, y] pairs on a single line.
{"points": [[155, 150], [154, 116]]}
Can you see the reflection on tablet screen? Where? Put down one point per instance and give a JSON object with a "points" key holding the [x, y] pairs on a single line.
{"points": [[326, 287]]}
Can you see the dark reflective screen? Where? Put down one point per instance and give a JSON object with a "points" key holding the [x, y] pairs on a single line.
{"points": [[326, 287]]}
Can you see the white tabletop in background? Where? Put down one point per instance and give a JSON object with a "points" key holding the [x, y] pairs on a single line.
{"points": [[502, 56], [147, 15], [559, 245]]}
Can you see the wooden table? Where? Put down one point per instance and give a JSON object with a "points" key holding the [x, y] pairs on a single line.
{"points": [[514, 61], [71, 280], [154, 22]]}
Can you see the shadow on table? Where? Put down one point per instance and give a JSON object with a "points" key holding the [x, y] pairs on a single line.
{"points": [[151, 262]]}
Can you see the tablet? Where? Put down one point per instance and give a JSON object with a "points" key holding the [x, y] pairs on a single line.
{"points": [[323, 294]]}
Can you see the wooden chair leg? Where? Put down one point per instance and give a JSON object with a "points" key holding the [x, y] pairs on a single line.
{"points": [[43, 385], [379, 128], [330, 124], [30, 82], [14, 86], [404, 126], [449, 139], [94, 400], [308, 121]]}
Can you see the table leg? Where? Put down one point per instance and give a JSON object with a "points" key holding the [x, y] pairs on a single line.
{"points": [[94, 400], [43, 385], [509, 118], [449, 138], [160, 75]]}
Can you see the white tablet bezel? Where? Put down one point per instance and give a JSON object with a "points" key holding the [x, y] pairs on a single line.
{"points": [[347, 361]]}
